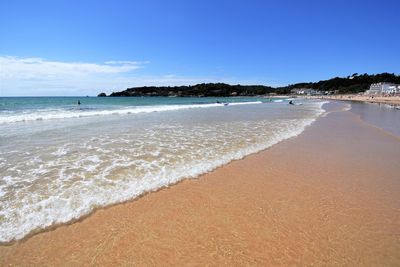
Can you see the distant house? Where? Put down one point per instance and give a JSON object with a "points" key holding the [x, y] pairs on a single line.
{"points": [[383, 89], [394, 89], [305, 91]]}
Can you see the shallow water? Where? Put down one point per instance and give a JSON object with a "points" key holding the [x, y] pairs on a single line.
{"points": [[382, 116], [70, 161]]}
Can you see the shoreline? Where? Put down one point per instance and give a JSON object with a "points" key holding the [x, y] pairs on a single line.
{"points": [[219, 199], [388, 100], [242, 156]]}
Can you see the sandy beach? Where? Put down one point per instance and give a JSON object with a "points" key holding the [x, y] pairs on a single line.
{"points": [[328, 197], [389, 100]]}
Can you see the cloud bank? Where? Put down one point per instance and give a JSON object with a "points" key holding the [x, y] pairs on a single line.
{"points": [[40, 77], [37, 76]]}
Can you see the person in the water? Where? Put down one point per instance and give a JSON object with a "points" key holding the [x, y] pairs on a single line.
{"points": [[79, 102], [291, 102]]}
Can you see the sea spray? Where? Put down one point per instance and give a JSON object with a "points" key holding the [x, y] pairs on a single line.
{"points": [[56, 171]]}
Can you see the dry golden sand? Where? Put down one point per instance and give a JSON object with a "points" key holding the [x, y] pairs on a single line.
{"points": [[390, 100], [329, 197]]}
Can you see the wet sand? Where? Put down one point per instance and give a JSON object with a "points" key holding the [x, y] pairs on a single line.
{"points": [[329, 197]]}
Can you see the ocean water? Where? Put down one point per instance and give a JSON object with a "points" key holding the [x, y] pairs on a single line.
{"points": [[60, 161]]}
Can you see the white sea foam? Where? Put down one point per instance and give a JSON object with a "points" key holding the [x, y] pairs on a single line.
{"points": [[347, 107], [39, 190], [53, 114]]}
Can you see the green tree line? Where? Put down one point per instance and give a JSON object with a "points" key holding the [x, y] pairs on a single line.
{"points": [[351, 84]]}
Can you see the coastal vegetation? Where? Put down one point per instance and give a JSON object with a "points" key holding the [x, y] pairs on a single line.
{"points": [[348, 85], [343, 85], [204, 89]]}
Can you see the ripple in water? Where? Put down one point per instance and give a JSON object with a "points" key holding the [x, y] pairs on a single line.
{"points": [[53, 173]]}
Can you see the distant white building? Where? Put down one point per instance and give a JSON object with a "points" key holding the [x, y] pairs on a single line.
{"points": [[305, 91], [383, 88], [393, 89]]}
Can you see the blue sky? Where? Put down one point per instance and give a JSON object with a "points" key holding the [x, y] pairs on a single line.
{"points": [[84, 47]]}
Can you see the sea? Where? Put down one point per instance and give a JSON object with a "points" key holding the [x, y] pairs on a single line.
{"points": [[60, 161]]}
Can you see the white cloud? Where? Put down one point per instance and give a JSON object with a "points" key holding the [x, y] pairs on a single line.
{"points": [[22, 68], [38, 77]]}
